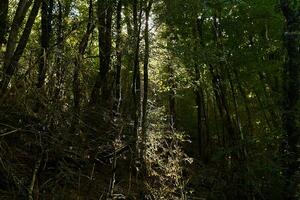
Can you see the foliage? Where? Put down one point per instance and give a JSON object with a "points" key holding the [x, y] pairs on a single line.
{"points": [[202, 103], [165, 158]]}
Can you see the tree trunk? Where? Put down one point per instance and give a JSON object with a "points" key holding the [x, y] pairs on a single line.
{"points": [[46, 29], [136, 68], [19, 17], [58, 80], [3, 20], [136, 93], [171, 96], [78, 66], [11, 64], [145, 98], [202, 124], [104, 13], [291, 98], [119, 56], [146, 63]]}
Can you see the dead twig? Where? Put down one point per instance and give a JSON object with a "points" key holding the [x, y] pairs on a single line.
{"points": [[10, 132], [35, 171]]}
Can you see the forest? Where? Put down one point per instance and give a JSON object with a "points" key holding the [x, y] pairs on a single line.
{"points": [[149, 99]]}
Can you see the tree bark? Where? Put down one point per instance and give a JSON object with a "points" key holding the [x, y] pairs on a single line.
{"points": [[291, 98], [135, 89], [104, 13], [3, 20], [78, 66], [19, 17], [58, 80], [171, 96], [136, 85], [46, 29], [11, 64], [145, 97], [202, 124], [146, 84], [118, 55]]}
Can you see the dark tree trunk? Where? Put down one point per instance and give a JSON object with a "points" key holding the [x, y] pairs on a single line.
{"points": [[146, 84], [218, 81], [291, 97], [171, 79], [222, 104], [104, 13], [46, 28], [202, 124], [145, 98], [135, 89], [118, 55], [11, 64], [58, 57], [136, 85], [78, 66], [171, 96], [3, 20], [246, 101], [233, 139], [19, 17]]}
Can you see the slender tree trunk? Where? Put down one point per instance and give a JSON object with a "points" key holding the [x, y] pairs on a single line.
{"points": [[146, 84], [171, 96], [46, 29], [235, 105], [118, 55], [202, 125], [128, 54], [107, 52], [11, 64], [223, 106], [78, 66], [145, 98], [237, 155], [58, 58], [113, 176], [172, 88], [136, 68], [218, 79], [291, 98], [104, 13], [136, 93], [3, 20], [246, 101], [19, 17]]}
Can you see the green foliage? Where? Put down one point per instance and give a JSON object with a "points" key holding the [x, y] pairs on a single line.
{"points": [[220, 61], [165, 158]]}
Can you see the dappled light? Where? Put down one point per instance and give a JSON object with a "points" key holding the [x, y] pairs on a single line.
{"points": [[149, 99]]}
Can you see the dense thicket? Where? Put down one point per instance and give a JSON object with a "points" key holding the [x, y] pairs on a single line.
{"points": [[149, 99]]}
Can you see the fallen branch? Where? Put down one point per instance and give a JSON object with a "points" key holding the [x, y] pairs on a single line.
{"points": [[10, 132]]}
